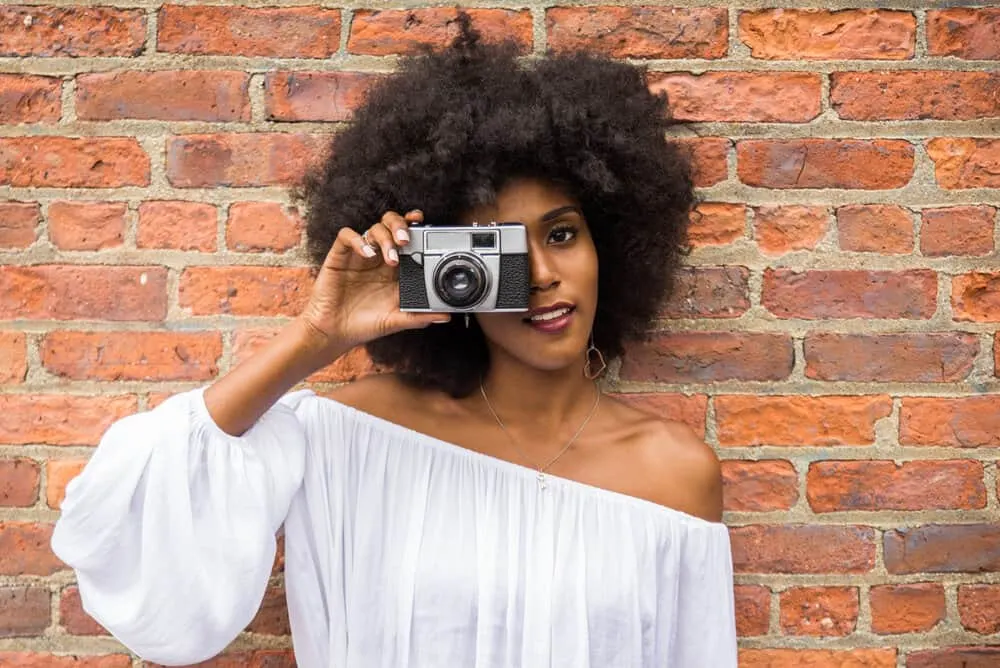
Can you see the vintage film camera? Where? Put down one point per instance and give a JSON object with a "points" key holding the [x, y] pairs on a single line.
{"points": [[464, 269]]}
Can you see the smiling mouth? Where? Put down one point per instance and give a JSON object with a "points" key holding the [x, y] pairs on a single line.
{"points": [[551, 314]]}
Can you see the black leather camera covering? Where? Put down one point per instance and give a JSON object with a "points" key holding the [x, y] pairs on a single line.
{"points": [[412, 290], [515, 281]]}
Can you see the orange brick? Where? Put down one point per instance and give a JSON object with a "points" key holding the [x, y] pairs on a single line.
{"points": [[28, 98], [74, 619], [759, 486], [800, 549], [975, 297], [748, 420], [866, 164], [818, 658], [822, 34], [963, 162], [250, 159], [68, 31], [279, 32], [979, 607], [59, 419], [708, 159], [19, 480], [819, 611], [907, 608], [709, 292], [913, 95], [943, 548], [13, 357], [43, 660], [178, 225], [684, 357], [245, 290], [820, 294], [169, 95], [944, 357], [262, 226], [783, 229], [753, 610], [24, 612], [315, 96], [957, 230], [19, 223], [24, 550], [875, 228], [964, 32], [59, 473], [132, 355], [640, 32], [87, 225], [716, 224], [69, 162], [961, 422], [747, 97], [407, 31]]}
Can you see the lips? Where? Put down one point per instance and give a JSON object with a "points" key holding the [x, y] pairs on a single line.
{"points": [[550, 312]]}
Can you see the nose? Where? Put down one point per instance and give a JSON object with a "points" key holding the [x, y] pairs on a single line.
{"points": [[543, 272]]}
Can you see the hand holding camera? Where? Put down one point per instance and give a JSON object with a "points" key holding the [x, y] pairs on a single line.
{"points": [[355, 297]]}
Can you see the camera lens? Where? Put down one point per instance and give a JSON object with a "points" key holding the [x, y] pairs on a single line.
{"points": [[460, 281]]}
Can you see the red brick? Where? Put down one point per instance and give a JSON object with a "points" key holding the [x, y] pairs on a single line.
{"points": [[70, 162], [13, 357], [749, 420], [996, 354], [350, 366], [979, 607], [759, 486], [884, 485], [957, 230], [71, 31], [927, 358], [964, 32], [245, 290], [272, 617], [708, 159], [975, 297], [640, 32], [87, 225], [59, 472], [867, 164], [251, 159], [262, 226], [783, 229], [684, 357], [27, 98], [818, 658], [798, 548], [19, 479], [315, 96], [59, 419], [709, 292], [168, 95], [753, 610], [716, 224], [287, 32], [689, 409], [408, 31], [74, 619], [24, 611], [886, 229], [178, 225], [19, 223], [907, 608], [24, 550], [819, 611], [955, 657], [943, 548], [748, 97], [155, 356], [962, 162], [67, 292], [42, 660], [961, 422], [910, 95], [814, 295], [822, 34]]}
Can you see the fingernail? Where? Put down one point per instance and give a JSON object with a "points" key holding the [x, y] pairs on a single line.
{"points": [[441, 322], [402, 235], [368, 251], [393, 255]]}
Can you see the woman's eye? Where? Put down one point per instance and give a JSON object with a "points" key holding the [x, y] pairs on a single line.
{"points": [[561, 235]]}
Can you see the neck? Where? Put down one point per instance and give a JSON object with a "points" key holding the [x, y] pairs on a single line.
{"points": [[548, 405]]}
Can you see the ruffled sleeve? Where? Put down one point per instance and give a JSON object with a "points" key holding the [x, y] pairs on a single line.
{"points": [[171, 525]]}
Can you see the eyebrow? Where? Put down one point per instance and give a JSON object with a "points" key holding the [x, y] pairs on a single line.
{"points": [[555, 213]]}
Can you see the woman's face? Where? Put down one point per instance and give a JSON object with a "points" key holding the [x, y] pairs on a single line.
{"points": [[563, 259]]}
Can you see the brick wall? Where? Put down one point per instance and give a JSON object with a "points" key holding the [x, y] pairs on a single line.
{"points": [[834, 335]]}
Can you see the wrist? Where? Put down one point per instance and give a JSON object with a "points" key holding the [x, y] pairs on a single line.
{"points": [[311, 348]]}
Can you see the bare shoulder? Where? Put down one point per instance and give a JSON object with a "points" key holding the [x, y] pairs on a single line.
{"points": [[375, 394], [678, 468]]}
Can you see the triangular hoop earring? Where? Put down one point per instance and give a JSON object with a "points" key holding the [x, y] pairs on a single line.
{"points": [[588, 369]]}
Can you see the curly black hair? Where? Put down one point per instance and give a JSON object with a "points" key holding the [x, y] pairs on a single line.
{"points": [[446, 131]]}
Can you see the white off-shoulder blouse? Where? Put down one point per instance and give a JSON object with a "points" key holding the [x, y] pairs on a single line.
{"points": [[401, 550]]}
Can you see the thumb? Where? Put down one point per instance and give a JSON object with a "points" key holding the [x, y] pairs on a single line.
{"points": [[411, 320]]}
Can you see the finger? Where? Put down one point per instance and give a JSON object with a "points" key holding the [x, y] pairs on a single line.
{"points": [[349, 242], [381, 236], [397, 225], [411, 320]]}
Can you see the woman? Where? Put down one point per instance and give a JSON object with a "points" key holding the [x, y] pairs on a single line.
{"points": [[482, 504]]}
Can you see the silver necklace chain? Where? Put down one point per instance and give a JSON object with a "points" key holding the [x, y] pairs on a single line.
{"points": [[541, 469]]}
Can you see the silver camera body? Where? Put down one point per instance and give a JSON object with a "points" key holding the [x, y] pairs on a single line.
{"points": [[465, 269]]}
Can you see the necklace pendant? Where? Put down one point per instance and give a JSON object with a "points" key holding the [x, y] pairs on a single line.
{"points": [[541, 480]]}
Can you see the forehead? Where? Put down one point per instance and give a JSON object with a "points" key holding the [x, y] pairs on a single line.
{"points": [[522, 200]]}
